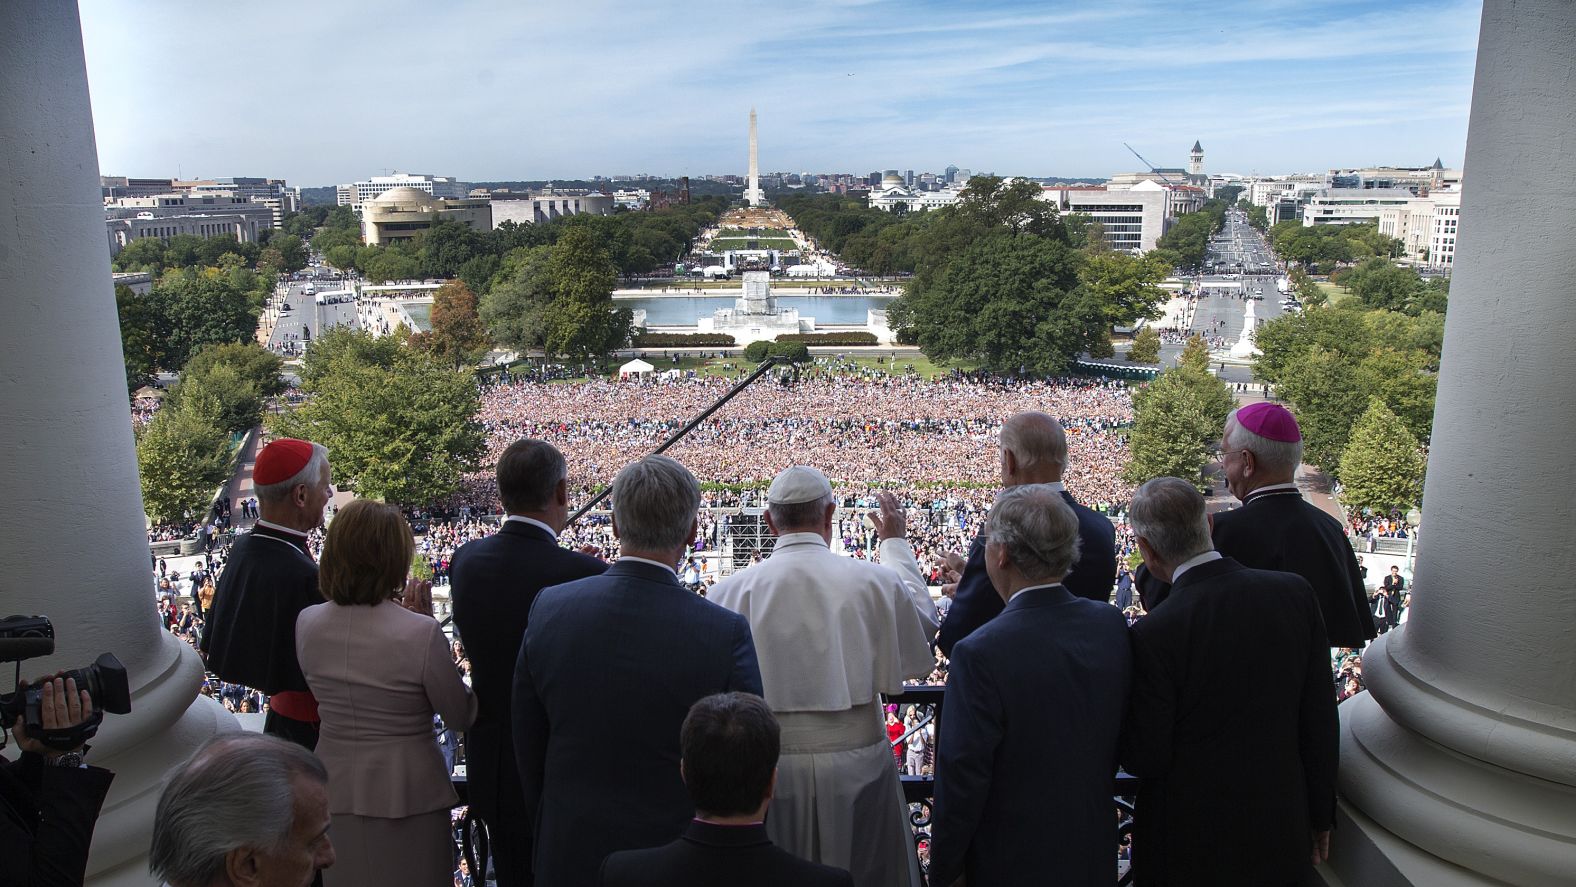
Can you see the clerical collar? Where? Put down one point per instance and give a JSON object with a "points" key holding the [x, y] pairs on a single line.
{"points": [[1031, 588], [281, 529], [647, 560], [1192, 562], [520, 518], [1056, 485], [1272, 490]]}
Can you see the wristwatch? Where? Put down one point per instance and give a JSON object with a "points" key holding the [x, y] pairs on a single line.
{"points": [[71, 760]]}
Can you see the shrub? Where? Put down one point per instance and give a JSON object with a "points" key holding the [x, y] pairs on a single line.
{"points": [[755, 352], [683, 340], [847, 338]]}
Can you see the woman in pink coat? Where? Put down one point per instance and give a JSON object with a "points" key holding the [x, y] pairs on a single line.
{"points": [[380, 668]]}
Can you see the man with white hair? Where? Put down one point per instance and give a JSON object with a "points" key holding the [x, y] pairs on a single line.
{"points": [[269, 578], [246, 810], [1035, 701], [833, 633], [608, 671], [1277, 529], [1033, 451], [1232, 725]]}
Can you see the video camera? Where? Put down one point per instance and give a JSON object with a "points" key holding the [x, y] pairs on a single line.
{"points": [[24, 637]]}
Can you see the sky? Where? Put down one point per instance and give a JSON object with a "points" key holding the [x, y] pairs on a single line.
{"points": [[322, 92]]}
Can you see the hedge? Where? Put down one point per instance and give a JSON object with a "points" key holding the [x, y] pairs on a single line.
{"points": [[683, 340], [849, 338]]}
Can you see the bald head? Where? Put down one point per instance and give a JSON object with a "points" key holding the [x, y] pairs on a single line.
{"points": [[1033, 449]]}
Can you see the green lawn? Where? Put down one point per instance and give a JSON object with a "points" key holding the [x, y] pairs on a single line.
{"points": [[1334, 293]]}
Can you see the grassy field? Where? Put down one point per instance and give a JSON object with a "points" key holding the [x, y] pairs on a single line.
{"points": [[1334, 293], [739, 243]]}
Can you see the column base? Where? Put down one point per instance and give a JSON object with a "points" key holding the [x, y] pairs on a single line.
{"points": [[1413, 812], [168, 720]]}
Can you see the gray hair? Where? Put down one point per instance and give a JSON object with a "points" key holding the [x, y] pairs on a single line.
{"points": [[1276, 456], [1034, 437], [1039, 530], [236, 791], [1169, 513], [655, 501], [311, 473], [798, 515]]}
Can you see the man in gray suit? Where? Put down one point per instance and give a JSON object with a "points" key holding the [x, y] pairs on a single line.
{"points": [[610, 667]]}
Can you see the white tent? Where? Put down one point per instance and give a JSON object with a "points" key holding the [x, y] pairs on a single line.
{"points": [[635, 369]]}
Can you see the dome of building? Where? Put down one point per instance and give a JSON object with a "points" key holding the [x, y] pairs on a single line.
{"points": [[892, 180], [405, 195]]}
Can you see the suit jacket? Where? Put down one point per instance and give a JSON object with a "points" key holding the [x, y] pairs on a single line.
{"points": [[1283, 531], [47, 816], [493, 582], [1027, 745], [379, 673], [976, 602], [718, 856], [249, 635], [610, 666], [1232, 728]]}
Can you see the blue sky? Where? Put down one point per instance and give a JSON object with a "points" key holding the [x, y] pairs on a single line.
{"points": [[331, 91]]}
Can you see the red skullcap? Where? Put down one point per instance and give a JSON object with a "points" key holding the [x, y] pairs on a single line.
{"points": [[280, 461], [1270, 421]]}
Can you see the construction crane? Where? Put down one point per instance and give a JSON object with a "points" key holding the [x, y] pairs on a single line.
{"points": [[1152, 168]]}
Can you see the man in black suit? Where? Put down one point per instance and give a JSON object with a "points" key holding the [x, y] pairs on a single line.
{"points": [[610, 667], [730, 744], [1035, 700], [1232, 725], [493, 583], [1033, 451]]}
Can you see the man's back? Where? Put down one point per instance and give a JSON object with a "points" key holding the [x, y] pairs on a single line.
{"points": [[1232, 728], [609, 668], [249, 636], [1282, 531], [1027, 745], [494, 581], [718, 856], [976, 601]]}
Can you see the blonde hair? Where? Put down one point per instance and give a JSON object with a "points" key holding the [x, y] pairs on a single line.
{"points": [[367, 554]]}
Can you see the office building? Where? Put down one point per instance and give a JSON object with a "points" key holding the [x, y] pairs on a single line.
{"points": [[355, 194], [200, 215], [1352, 206], [544, 206], [1134, 216]]}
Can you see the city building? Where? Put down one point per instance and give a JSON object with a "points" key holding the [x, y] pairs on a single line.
{"points": [[636, 198], [1267, 192], [1352, 206], [275, 194], [1134, 216], [1415, 179], [892, 195], [546, 205], [168, 215], [1193, 176], [355, 194], [116, 187], [1426, 227], [403, 213]]}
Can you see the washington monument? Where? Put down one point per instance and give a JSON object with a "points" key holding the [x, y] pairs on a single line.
{"points": [[752, 194]]}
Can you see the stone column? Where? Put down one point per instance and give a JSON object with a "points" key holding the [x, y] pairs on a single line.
{"points": [[1459, 764], [74, 546]]}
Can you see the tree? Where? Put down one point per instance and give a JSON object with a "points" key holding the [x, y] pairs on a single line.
{"points": [[514, 310], [182, 457], [458, 335], [1126, 287], [1177, 420], [400, 424], [1383, 464], [582, 322], [231, 401], [256, 364], [1327, 394], [1146, 346], [1195, 355], [202, 308], [386, 264], [144, 335]]}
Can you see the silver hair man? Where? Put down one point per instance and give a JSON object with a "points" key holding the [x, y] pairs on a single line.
{"points": [[1275, 457], [1168, 514], [245, 809], [1037, 530], [655, 504]]}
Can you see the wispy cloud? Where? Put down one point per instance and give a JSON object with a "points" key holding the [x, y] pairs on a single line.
{"points": [[488, 89]]}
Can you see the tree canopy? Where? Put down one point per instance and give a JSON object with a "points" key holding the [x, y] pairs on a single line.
{"points": [[1382, 466], [183, 455], [1177, 419]]}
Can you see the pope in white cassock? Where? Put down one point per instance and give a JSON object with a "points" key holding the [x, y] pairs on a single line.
{"points": [[833, 633]]}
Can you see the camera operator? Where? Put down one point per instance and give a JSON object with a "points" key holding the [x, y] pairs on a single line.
{"points": [[50, 798]]}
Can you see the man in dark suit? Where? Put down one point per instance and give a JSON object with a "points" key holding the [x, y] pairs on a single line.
{"points": [[730, 744], [610, 667], [1276, 529], [493, 582], [1035, 700], [1033, 451], [1232, 725]]}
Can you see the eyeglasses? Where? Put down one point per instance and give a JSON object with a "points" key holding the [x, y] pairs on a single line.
{"points": [[1225, 453]]}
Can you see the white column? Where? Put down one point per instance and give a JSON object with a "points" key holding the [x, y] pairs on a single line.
{"points": [[1459, 764], [74, 547]]}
